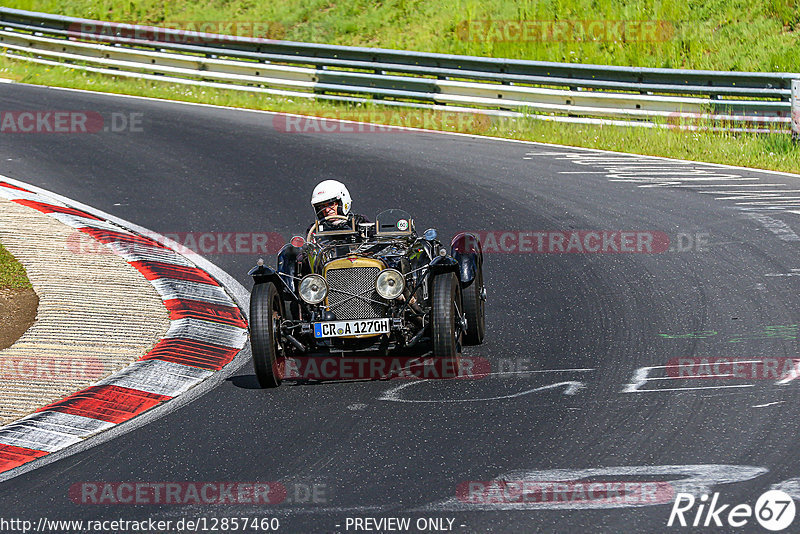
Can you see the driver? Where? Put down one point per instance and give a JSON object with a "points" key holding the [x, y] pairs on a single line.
{"points": [[331, 202]]}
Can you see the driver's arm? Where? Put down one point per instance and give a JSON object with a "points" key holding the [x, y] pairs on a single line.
{"points": [[360, 219]]}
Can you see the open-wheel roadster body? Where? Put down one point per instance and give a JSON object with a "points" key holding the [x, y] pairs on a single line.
{"points": [[372, 287]]}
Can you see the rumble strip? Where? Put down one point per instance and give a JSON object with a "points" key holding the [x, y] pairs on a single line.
{"points": [[206, 330]]}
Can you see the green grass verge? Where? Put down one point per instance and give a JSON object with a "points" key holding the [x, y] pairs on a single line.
{"points": [[775, 152], [757, 35], [12, 273]]}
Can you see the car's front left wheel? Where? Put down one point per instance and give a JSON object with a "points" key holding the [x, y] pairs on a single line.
{"points": [[265, 319]]}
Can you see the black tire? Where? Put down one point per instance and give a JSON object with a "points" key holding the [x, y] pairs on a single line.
{"points": [[265, 315], [445, 328], [474, 309]]}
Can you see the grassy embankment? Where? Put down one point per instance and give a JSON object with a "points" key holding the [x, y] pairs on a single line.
{"points": [[757, 35], [18, 302], [12, 273]]}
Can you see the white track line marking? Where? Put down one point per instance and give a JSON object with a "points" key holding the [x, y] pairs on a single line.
{"points": [[767, 404], [572, 387]]}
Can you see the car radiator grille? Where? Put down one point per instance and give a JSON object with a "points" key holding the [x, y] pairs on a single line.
{"points": [[359, 281]]}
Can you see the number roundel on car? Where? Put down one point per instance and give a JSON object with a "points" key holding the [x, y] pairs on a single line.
{"points": [[402, 225]]}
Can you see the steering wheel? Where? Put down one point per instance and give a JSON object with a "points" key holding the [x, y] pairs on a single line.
{"points": [[314, 228]]}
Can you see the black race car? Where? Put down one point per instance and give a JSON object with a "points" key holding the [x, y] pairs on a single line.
{"points": [[368, 287]]}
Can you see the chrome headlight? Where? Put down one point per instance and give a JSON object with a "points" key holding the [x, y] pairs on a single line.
{"points": [[390, 284], [313, 289]]}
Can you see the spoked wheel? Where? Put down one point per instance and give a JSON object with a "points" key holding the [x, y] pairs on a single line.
{"points": [[474, 299], [446, 323], [265, 318]]}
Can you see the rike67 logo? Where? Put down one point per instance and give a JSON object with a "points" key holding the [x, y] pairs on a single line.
{"points": [[774, 510]]}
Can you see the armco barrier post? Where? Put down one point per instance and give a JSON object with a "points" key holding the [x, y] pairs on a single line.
{"points": [[796, 110]]}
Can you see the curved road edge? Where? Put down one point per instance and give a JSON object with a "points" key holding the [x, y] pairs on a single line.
{"points": [[81, 334], [205, 344]]}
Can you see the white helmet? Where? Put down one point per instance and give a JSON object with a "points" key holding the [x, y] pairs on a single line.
{"points": [[331, 190]]}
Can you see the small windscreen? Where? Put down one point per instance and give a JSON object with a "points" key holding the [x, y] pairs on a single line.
{"points": [[394, 222], [334, 231]]}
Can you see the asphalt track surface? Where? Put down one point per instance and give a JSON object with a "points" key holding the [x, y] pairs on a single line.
{"points": [[588, 322]]}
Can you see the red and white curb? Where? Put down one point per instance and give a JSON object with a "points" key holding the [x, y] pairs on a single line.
{"points": [[206, 333]]}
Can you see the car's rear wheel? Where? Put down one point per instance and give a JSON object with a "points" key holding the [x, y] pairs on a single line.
{"points": [[446, 323], [265, 318], [474, 299]]}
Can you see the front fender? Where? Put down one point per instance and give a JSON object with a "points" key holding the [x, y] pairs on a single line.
{"points": [[262, 274], [443, 264], [290, 268], [282, 277], [468, 254]]}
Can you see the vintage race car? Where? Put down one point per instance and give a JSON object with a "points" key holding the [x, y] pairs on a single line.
{"points": [[378, 287]]}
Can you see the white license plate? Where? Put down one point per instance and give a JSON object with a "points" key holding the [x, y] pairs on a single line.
{"points": [[351, 328]]}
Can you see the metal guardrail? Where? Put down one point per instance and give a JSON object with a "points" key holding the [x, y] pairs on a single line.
{"points": [[561, 91]]}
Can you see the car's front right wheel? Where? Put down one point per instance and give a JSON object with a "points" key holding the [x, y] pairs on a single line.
{"points": [[265, 319], [474, 296], [446, 328]]}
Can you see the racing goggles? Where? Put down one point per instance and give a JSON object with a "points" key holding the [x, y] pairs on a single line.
{"points": [[322, 206]]}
